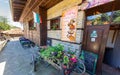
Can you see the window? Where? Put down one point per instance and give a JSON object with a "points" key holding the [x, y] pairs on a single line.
{"points": [[55, 23], [99, 19], [104, 18], [116, 17], [31, 25]]}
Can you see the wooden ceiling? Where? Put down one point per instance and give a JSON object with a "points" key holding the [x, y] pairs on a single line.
{"points": [[17, 8], [21, 8], [46, 4]]}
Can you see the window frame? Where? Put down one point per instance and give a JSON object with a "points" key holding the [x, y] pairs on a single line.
{"points": [[31, 25], [52, 23]]}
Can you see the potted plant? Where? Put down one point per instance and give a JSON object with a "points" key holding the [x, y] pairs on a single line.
{"points": [[55, 26]]}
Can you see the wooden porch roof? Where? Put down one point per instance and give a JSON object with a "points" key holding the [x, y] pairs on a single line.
{"points": [[21, 8], [17, 7]]}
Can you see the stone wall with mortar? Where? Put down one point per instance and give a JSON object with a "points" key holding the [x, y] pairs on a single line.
{"points": [[55, 11], [33, 35], [55, 35]]}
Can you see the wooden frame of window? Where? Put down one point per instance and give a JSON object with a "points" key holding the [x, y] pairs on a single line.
{"points": [[55, 23], [31, 25]]}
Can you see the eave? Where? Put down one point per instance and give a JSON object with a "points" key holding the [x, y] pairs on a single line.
{"points": [[32, 4], [17, 7], [108, 7]]}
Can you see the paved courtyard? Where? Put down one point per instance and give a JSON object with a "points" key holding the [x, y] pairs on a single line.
{"points": [[15, 60]]}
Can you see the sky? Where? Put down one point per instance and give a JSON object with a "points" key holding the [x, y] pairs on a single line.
{"points": [[6, 12]]}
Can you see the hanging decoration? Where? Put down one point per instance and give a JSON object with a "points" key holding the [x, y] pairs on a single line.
{"points": [[37, 19]]}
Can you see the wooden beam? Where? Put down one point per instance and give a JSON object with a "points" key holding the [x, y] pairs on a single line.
{"points": [[46, 3], [18, 5], [37, 3], [18, 8], [52, 3], [19, 1], [27, 10]]}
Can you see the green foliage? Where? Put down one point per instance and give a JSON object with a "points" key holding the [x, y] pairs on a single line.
{"points": [[65, 60], [116, 14], [55, 26], [46, 53], [32, 28], [97, 21], [116, 17], [3, 23], [4, 26], [116, 20], [59, 47], [105, 17]]}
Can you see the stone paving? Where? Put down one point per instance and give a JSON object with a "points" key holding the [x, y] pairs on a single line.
{"points": [[15, 60]]}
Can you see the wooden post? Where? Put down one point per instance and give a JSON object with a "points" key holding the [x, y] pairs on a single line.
{"points": [[43, 26]]}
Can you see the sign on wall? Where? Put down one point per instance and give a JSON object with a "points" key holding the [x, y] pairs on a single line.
{"points": [[92, 3], [69, 18]]}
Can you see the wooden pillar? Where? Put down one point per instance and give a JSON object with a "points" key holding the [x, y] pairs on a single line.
{"points": [[43, 26]]}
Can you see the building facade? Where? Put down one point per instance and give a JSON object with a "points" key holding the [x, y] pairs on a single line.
{"points": [[54, 27]]}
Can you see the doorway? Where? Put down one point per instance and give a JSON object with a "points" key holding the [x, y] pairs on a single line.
{"points": [[95, 39], [112, 52]]}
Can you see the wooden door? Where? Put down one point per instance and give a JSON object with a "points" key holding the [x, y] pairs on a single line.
{"points": [[95, 39]]}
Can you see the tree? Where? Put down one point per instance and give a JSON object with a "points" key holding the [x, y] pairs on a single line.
{"points": [[116, 17], [105, 17], [116, 14], [4, 26], [116, 20], [3, 23]]}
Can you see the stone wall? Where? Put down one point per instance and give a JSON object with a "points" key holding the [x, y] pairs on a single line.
{"points": [[55, 35], [68, 46], [55, 11], [33, 35]]}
